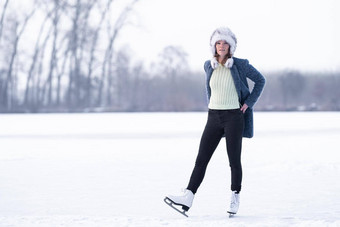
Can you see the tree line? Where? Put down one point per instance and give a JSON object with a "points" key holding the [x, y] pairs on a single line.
{"points": [[69, 64], [72, 64]]}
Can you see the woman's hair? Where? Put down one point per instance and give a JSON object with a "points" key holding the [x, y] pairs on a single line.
{"points": [[225, 58]]}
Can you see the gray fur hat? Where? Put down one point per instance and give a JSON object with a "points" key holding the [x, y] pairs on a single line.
{"points": [[223, 33]]}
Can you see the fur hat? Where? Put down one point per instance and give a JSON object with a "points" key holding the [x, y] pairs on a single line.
{"points": [[223, 33]]}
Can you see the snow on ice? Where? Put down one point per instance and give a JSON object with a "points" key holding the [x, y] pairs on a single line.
{"points": [[115, 169]]}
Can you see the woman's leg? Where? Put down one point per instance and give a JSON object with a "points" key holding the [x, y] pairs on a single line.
{"points": [[210, 139], [234, 131]]}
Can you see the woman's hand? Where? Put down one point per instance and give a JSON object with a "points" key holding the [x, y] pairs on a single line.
{"points": [[244, 108]]}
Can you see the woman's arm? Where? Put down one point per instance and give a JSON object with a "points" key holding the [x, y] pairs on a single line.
{"points": [[259, 81]]}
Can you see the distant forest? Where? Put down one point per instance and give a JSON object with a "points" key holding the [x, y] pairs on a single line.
{"points": [[73, 65]]}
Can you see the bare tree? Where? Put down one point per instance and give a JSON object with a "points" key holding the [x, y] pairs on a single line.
{"points": [[7, 89], [53, 57], [95, 37], [107, 70], [30, 98], [172, 59], [173, 66], [4, 8]]}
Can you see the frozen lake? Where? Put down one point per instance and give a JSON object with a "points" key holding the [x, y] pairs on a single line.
{"points": [[115, 169]]}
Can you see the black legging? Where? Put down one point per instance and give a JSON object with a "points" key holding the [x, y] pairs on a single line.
{"points": [[220, 122]]}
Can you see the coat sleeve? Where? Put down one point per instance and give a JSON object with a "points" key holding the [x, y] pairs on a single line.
{"points": [[208, 70], [259, 82], [206, 65]]}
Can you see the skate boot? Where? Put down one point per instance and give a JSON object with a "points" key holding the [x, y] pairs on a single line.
{"points": [[234, 203], [184, 200]]}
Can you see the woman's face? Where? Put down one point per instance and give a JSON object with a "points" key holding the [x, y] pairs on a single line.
{"points": [[222, 48]]}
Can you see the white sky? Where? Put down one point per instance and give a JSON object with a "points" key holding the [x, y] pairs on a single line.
{"points": [[272, 34]]}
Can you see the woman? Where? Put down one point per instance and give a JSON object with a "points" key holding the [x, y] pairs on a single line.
{"points": [[230, 115]]}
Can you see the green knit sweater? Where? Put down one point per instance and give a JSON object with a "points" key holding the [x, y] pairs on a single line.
{"points": [[223, 92]]}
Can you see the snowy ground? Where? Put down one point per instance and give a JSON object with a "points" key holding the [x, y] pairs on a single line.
{"points": [[115, 169]]}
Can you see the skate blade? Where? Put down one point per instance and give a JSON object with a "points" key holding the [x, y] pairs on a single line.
{"points": [[171, 204], [231, 214]]}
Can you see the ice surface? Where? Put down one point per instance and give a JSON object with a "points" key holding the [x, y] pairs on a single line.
{"points": [[115, 169]]}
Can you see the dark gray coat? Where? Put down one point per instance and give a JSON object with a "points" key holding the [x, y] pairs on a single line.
{"points": [[240, 71]]}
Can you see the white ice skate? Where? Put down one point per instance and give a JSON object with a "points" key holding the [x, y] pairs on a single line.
{"points": [[184, 200], [234, 203]]}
